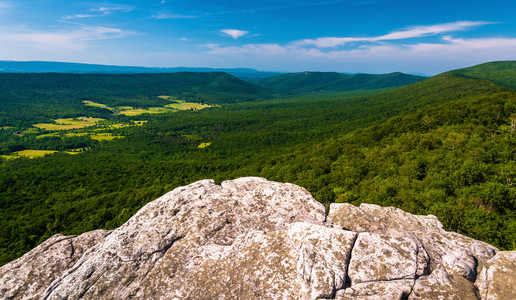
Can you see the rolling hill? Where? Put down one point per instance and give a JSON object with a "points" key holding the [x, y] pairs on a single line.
{"points": [[316, 82], [78, 68], [35, 97], [500, 72]]}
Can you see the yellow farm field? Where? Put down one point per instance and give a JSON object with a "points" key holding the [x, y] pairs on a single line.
{"points": [[66, 124], [124, 107], [140, 111], [203, 145], [181, 105], [34, 153], [104, 137]]}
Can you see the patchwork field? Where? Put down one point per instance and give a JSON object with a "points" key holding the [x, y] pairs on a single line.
{"points": [[70, 123], [34, 153], [104, 136], [140, 111], [131, 111], [181, 105]]}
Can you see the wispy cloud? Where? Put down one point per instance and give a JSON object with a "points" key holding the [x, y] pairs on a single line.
{"points": [[52, 41], [402, 48], [414, 32], [79, 16], [102, 11], [114, 8], [164, 16], [234, 33]]}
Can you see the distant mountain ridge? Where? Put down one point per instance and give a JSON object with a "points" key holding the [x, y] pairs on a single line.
{"points": [[79, 68], [310, 82]]}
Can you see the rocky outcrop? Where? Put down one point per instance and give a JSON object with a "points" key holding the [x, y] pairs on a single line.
{"points": [[251, 238]]}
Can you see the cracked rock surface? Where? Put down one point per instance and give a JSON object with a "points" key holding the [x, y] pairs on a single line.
{"points": [[251, 238]]}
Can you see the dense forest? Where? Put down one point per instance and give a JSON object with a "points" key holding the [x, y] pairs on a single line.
{"points": [[316, 82], [444, 146], [28, 98]]}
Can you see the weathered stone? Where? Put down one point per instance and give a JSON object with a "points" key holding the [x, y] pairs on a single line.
{"points": [[441, 285], [28, 276], [497, 279], [454, 257], [378, 257], [377, 290], [254, 239], [150, 255]]}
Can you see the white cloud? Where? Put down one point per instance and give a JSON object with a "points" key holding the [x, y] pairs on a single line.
{"points": [[115, 8], [414, 32], [102, 11], [234, 33], [431, 58], [68, 41], [421, 31], [79, 16]]}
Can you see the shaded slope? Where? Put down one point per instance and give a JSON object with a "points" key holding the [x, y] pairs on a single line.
{"points": [[309, 82], [500, 72], [214, 87]]}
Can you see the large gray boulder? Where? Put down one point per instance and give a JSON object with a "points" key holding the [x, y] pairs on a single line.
{"points": [[251, 238]]}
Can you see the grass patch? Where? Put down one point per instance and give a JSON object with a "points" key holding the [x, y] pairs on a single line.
{"points": [[124, 107], [203, 145], [181, 105], [104, 137], [47, 135], [94, 104], [70, 123], [150, 110], [34, 153]]}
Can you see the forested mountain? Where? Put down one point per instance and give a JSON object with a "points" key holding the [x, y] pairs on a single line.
{"points": [[500, 72], [63, 67], [443, 146], [28, 98], [310, 82]]}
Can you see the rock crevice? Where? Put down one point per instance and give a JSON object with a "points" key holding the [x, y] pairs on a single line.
{"points": [[251, 238]]}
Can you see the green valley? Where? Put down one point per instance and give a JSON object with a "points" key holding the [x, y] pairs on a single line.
{"points": [[445, 145]]}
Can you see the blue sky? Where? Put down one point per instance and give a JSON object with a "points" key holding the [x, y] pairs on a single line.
{"points": [[371, 36]]}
